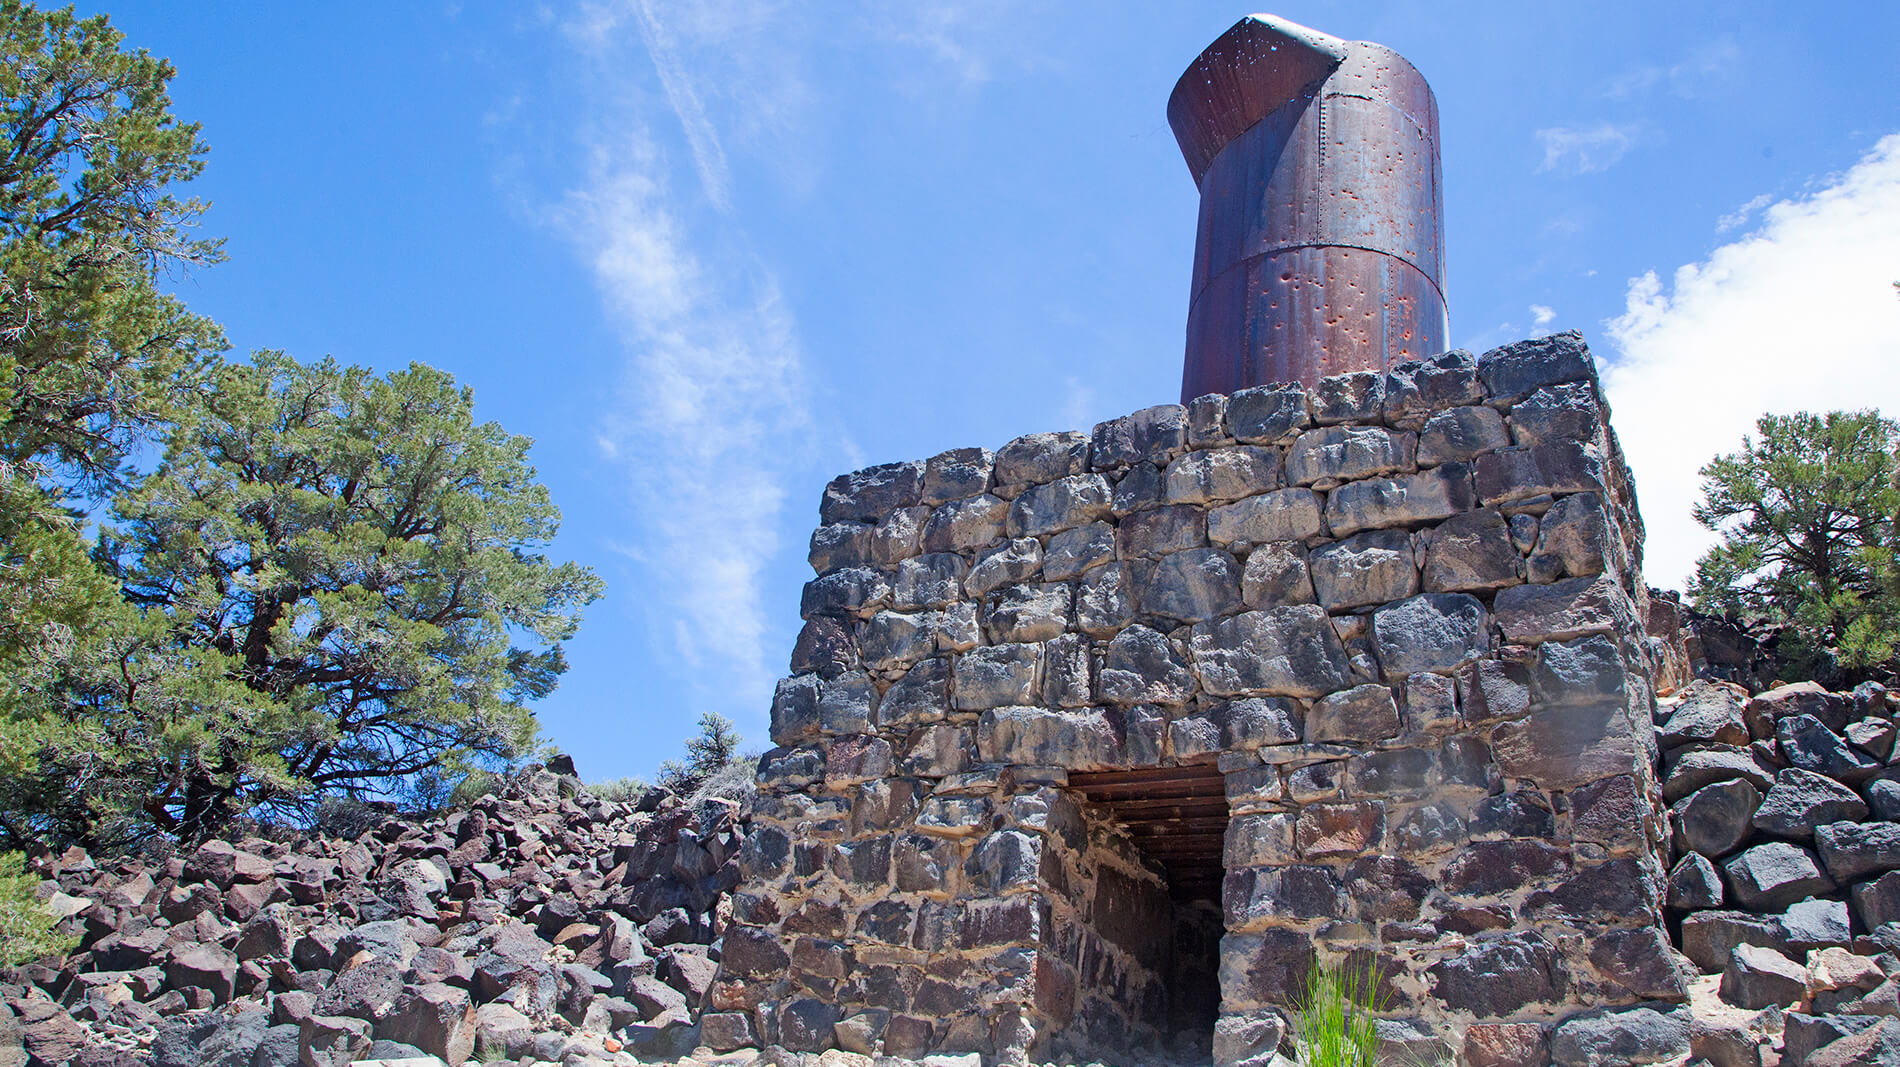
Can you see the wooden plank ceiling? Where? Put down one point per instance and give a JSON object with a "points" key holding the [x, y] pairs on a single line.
{"points": [[1177, 816]]}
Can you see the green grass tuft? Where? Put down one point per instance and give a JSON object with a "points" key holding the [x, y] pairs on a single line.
{"points": [[1334, 1021]]}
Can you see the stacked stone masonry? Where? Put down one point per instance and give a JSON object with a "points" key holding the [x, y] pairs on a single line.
{"points": [[1400, 613]]}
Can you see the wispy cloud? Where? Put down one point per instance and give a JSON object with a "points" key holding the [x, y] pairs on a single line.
{"points": [[1585, 149], [1541, 315], [1797, 315], [710, 159], [1738, 218], [712, 414], [1702, 69]]}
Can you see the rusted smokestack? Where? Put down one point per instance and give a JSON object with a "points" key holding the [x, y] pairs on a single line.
{"points": [[1320, 249]]}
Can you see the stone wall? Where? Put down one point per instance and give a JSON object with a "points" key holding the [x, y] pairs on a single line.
{"points": [[1400, 612]]}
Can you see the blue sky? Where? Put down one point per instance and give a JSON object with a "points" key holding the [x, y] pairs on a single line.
{"points": [[709, 255]]}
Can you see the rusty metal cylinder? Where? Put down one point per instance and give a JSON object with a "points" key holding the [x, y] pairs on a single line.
{"points": [[1320, 248]]}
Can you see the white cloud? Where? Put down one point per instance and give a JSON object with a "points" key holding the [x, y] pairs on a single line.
{"points": [[712, 414], [1738, 218], [1704, 69], [1541, 315], [1582, 150], [1799, 315]]}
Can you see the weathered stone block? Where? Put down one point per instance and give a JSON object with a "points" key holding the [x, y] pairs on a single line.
{"points": [[1277, 573], [1105, 599], [956, 474], [795, 709], [1407, 500], [1505, 1045], [1355, 397], [840, 544], [1142, 668], [1560, 411], [1014, 561], [1614, 1038], [1265, 968], [825, 645], [1802, 800], [1159, 531], [1459, 434], [1565, 747], [920, 696], [1339, 829], [1575, 538], [1218, 475], [928, 581], [1486, 868], [1207, 421], [872, 493], [1260, 840], [1152, 435], [898, 536], [1192, 586], [1021, 613], [1469, 552], [1556, 466], [1575, 607], [997, 676], [1059, 505], [1301, 891], [1067, 680], [1361, 714], [1251, 722], [1399, 772], [1042, 737], [849, 591], [1642, 962], [1429, 633], [1853, 851], [1330, 455], [1291, 651], [965, 524], [1039, 458], [893, 640], [1498, 976], [1073, 551], [847, 704], [1281, 515], [1583, 671], [1368, 568], [1267, 414], [1416, 388]]}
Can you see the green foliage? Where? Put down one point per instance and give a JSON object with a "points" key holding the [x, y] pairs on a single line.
{"points": [[709, 754], [93, 358], [27, 932], [619, 790], [1334, 1021], [332, 571], [91, 353], [1806, 511]]}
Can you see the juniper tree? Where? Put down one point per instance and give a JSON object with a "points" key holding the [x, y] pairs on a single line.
{"points": [[341, 584], [93, 356], [1806, 511]]}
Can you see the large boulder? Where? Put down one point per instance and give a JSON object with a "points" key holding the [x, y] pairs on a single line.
{"points": [[1802, 800]]}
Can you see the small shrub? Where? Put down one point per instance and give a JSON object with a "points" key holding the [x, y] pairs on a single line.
{"points": [[27, 931], [619, 790], [1334, 1022]]}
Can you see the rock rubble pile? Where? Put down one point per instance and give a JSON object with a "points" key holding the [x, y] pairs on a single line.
{"points": [[540, 923], [1783, 809]]}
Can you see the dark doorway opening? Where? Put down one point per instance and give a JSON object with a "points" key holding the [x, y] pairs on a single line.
{"points": [[1177, 818]]}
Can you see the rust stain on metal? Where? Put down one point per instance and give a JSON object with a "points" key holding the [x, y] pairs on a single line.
{"points": [[1320, 248]]}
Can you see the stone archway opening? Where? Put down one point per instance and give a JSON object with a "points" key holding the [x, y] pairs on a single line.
{"points": [[1177, 819]]}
